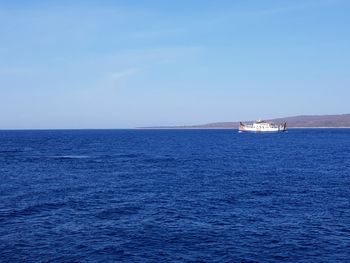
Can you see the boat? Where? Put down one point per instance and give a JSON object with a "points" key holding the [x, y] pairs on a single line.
{"points": [[262, 126]]}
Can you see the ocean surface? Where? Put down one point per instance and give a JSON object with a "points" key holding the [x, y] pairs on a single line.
{"points": [[175, 196]]}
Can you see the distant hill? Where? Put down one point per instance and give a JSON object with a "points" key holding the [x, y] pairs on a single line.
{"points": [[303, 121]]}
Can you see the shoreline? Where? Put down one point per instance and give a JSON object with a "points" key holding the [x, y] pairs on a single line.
{"points": [[160, 128], [228, 128]]}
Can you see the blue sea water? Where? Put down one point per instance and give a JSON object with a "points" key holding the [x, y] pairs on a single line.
{"points": [[175, 196]]}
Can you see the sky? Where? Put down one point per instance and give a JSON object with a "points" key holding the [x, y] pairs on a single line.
{"points": [[125, 64]]}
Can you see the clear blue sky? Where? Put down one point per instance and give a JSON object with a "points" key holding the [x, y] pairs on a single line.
{"points": [[122, 64]]}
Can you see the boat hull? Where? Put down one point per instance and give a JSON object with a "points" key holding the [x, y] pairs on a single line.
{"points": [[247, 129], [262, 126]]}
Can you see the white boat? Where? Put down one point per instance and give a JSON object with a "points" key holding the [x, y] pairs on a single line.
{"points": [[262, 126]]}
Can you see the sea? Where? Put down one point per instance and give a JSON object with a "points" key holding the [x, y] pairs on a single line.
{"points": [[175, 196]]}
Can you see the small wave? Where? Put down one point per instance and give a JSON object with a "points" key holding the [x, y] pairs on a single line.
{"points": [[11, 151], [31, 210], [111, 250], [262, 192], [159, 160], [115, 213], [131, 155], [69, 156]]}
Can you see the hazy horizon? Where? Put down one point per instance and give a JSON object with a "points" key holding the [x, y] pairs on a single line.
{"points": [[111, 64]]}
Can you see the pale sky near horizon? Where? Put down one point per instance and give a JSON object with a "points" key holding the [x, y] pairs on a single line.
{"points": [[123, 64]]}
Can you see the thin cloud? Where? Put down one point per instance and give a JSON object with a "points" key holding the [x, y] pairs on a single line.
{"points": [[118, 79], [122, 75]]}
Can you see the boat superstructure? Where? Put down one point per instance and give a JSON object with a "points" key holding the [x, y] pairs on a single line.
{"points": [[262, 126]]}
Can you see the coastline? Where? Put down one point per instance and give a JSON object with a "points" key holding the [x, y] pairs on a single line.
{"points": [[227, 128]]}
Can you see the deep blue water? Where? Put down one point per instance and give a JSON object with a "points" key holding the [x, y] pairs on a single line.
{"points": [[183, 196]]}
